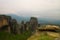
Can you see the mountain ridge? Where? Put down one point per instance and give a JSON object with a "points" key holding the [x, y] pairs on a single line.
{"points": [[40, 20]]}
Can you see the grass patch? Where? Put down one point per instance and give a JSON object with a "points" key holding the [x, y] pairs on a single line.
{"points": [[45, 37], [7, 36]]}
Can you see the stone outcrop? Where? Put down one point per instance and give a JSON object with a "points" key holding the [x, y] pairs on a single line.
{"points": [[51, 28], [33, 23], [5, 23], [14, 26], [8, 24], [22, 27]]}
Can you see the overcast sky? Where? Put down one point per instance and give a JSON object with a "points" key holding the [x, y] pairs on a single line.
{"points": [[37, 8]]}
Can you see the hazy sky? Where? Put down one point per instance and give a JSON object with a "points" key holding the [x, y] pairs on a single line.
{"points": [[38, 8]]}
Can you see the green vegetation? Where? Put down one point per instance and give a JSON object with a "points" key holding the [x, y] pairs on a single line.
{"points": [[7, 36], [40, 36], [45, 37], [24, 36]]}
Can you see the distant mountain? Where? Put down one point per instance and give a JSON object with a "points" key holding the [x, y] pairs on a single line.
{"points": [[19, 18], [48, 21], [40, 20]]}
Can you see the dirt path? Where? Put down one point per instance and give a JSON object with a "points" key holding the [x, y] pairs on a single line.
{"points": [[35, 36]]}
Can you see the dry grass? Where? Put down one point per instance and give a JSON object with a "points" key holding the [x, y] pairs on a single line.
{"points": [[40, 36]]}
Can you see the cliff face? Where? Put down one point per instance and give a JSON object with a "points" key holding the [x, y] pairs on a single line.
{"points": [[3, 20], [5, 23], [33, 23]]}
